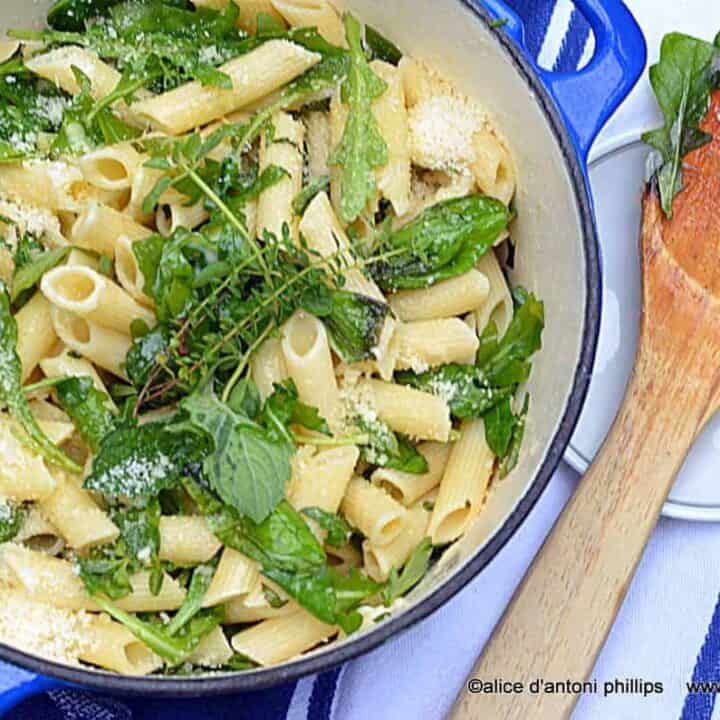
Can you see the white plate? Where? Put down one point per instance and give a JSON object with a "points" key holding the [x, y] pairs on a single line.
{"points": [[617, 179]]}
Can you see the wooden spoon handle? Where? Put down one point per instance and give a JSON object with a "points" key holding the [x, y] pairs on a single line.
{"points": [[561, 614]]}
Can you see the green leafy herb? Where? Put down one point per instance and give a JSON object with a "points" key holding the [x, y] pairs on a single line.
{"points": [[386, 449], [138, 462], [682, 80], [27, 276], [444, 241], [71, 15], [362, 148], [400, 583], [510, 460], [199, 583], [499, 427], [308, 193], [338, 530], [248, 467], [239, 662], [88, 409], [11, 392], [355, 322], [380, 47], [12, 517], [284, 408], [174, 649]]}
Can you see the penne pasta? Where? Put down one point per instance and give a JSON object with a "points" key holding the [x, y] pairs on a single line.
{"points": [[99, 228], [187, 540], [36, 333], [464, 484], [498, 305], [254, 75], [313, 13], [449, 298], [282, 638], [406, 487], [236, 575], [94, 297], [428, 343], [111, 168], [372, 511], [268, 367]]}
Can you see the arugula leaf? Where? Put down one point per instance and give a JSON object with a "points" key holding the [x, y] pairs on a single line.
{"points": [[386, 449], [499, 426], [168, 273], [239, 662], [362, 148], [444, 241], [303, 199], [338, 530], [400, 583], [71, 15], [174, 649], [466, 388], [248, 467], [510, 460], [147, 351], [284, 408], [11, 392], [355, 322], [682, 80], [199, 583], [12, 517], [380, 47], [138, 462], [104, 572], [28, 275], [88, 409], [506, 364]]}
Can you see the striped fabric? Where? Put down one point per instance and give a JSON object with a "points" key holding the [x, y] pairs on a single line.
{"points": [[561, 40]]}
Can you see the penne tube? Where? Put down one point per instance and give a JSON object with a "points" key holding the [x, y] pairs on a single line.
{"points": [[38, 533], [23, 474], [50, 185], [99, 228], [112, 167], [449, 298], [406, 487], [428, 343], [111, 646], [381, 559], [318, 144], [309, 364], [93, 296], [322, 480], [144, 181], [498, 306], [36, 333], [80, 258], [81, 523], [393, 179], [313, 13], [187, 540], [268, 367], [253, 75], [66, 365], [493, 167], [103, 347], [372, 511], [128, 272], [57, 67], [324, 234], [409, 411], [170, 216], [54, 581], [274, 208], [464, 484], [236, 576], [282, 638], [213, 650]]}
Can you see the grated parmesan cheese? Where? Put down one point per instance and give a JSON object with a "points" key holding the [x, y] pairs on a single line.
{"points": [[441, 132], [39, 629]]}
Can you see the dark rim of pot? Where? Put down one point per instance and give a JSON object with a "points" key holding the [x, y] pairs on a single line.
{"points": [[227, 683]]}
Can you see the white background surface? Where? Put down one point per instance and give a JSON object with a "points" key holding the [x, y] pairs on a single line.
{"points": [[663, 622]]}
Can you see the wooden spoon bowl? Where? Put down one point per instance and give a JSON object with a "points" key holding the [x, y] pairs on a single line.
{"points": [[561, 614]]}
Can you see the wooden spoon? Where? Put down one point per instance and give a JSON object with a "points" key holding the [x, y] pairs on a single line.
{"points": [[561, 614]]}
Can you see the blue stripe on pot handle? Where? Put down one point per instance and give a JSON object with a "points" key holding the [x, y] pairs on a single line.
{"points": [[588, 97], [27, 684]]}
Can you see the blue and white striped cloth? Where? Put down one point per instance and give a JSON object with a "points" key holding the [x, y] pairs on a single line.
{"points": [[662, 634]]}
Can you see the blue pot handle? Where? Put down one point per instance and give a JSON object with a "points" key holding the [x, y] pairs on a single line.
{"points": [[588, 97], [20, 685]]}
